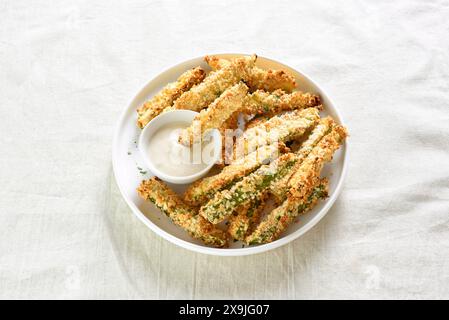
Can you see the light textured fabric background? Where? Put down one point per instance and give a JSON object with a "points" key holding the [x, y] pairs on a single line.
{"points": [[68, 69]]}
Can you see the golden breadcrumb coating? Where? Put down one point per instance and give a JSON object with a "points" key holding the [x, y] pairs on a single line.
{"points": [[246, 217], [202, 190], [259, 166], [256, 121], [261, 102], [252, 186], [311, 166], [216, 114], [259, 79], [279, 188], [270, 80], [246, 190], [227, 129], [200, 96], [280, 218], [165, 98], [216, 63], [180, 213], [283, 128]]}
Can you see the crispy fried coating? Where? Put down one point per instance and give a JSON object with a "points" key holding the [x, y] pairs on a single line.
{"points": [[216, 63], [280, 218], [246, 217], [270, 80], [279, 188], [261, 102], [200, 96], [227, 130], [230, 130], [304, 188], [281, 128], [168, 95], [180, 213], [202, 190], [311, 167], [251, 187], [246, 190], [259, 79], [265, 105], [256, 121], [216, 114], [262, 167]]}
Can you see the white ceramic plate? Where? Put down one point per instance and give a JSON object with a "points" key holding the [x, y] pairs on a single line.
{"points": [[129, 169]]}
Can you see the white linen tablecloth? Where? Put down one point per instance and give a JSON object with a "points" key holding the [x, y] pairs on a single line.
{"points": [[69, 68]]}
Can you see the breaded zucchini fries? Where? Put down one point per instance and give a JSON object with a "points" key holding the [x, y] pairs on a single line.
{"points": [[262, 102], [279, 189], [281, 128], [202, 190], [244, 219], [280, 218], [279, 146], [260, 79], [249, 188], [203, 94], [181, 214], [216, 114], [165, 98], [311, 167], [304, 189]]}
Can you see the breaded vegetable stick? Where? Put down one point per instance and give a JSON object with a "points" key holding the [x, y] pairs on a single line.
{"points": [[257, 121], [281, 128], [261, 102], [168, 95], [204, 189], [230, 124], [279, 188], [280, 218], [250, 188], [311, 167], [266, 105], [271, 80], [216, 114], [302, 181], [200, 96], [216, 63], [226, 201], [244, 219], [324, 126], [181, 214], [260, 79]]}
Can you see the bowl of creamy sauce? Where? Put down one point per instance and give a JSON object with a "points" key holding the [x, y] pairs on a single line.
{"points": [[171, 161]]}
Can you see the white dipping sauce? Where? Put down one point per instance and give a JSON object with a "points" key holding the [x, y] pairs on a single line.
{"points": [[175, 159]]}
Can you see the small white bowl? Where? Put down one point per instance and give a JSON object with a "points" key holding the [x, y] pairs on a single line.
{"points": [[167, 118]]}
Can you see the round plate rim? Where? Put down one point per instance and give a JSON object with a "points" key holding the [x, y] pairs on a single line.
{"points": [[225, 251]]}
